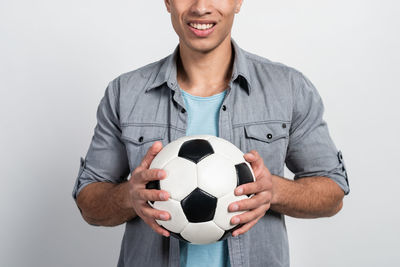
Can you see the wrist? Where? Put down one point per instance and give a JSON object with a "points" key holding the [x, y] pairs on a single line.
{"points": [[125, 192], [275, 190]]}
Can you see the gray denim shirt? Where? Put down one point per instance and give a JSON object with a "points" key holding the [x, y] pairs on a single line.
{"points": [[268, 107]]}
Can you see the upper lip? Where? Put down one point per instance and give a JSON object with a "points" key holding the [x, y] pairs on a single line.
{"points": [[202, 22]]}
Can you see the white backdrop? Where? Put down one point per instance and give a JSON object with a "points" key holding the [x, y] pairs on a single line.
{"points": [[56, 58]]}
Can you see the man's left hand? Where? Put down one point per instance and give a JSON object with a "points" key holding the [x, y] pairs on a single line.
{"points": [[257, 205]]}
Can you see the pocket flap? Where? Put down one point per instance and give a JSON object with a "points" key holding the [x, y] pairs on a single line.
{"points": [[267, 132], [142, 134]]}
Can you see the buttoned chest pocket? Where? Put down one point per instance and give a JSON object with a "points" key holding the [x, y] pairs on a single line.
{"points": [[138, 139], [270, 141]]}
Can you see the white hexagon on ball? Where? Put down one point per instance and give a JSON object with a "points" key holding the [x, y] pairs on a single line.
{"points": [[226, 149], [181, 178], [202, 233], [166, 154], [177, 221], [216, 175], [222, 216]]}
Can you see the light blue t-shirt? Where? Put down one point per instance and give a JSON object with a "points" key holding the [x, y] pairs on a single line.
{"points": [[203, 117]]}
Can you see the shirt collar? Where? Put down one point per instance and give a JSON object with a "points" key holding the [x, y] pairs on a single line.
{"points": [[168, 70]]}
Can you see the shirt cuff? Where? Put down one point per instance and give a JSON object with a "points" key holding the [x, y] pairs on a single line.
{"points": [[338, 175]]}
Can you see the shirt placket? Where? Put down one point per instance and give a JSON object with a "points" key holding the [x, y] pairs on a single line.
{"points": [[178, 117], [178, 125], [224, 124], [178, 113], [226, 132]]}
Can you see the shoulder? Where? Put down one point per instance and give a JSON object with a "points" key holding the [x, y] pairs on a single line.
{"points": [[281, 77], [127, 92], [136, 81], [273, 69]]}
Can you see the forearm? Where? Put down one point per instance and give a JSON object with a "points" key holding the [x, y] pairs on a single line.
{"points": [[310, 197], [105, 204]]}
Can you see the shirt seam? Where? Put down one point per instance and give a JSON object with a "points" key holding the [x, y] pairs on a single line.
{"points": [[258, 122], [127, 124], [266, 61]]}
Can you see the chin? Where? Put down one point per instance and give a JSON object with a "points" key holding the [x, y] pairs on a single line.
{"points": [[202, 45]]}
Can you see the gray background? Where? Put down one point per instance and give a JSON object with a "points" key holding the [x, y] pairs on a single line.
{"points": [[56, 58]]}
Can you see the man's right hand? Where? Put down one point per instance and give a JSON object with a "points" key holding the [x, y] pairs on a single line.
{"points": [[139, 195]]}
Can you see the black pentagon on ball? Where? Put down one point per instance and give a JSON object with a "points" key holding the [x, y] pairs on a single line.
{"points": [[195, 150], [199, 206], [244, 174], [153, 185]]}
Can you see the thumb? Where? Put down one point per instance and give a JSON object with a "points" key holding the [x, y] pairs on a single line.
{"points": [[151, 154]]}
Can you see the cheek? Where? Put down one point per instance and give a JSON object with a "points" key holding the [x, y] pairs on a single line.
{"points": [[227, 16], [176, 24], [227, 7], [225, 26], [177, 19]]}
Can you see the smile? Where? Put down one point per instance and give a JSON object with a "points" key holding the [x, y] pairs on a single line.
{"points": [[203, 27], [201, 30]]}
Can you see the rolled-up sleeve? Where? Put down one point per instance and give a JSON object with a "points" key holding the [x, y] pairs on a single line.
{"points": [[106, 159], [311, 151]]}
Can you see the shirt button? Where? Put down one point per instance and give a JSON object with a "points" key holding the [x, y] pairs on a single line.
{"points": [[269, 136], [141, 139], [284, 125], [183, 110], [223, 107]]}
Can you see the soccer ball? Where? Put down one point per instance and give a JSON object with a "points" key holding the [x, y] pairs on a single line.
{"points": [[202, 174]]}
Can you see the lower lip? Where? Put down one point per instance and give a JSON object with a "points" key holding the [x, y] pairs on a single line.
{"points": [[201, 33]]}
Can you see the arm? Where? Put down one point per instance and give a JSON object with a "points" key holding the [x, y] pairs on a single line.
{"points": [[109, 204], [105, 204], [102, 191], [320, 180], [310, 197]]}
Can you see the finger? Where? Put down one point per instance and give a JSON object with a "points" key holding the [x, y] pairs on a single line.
{"points": [[256, 162], [156, 227], [254, 158], [155, 214], [146, 176], [260, 185], [246, 227], [250, 215], [251, 203], [153, 195], [151, 154]]}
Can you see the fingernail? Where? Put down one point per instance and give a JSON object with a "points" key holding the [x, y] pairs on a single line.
{"points": [[163, 217], [160, 174], [239, 191], [163, 196], [235, 207], [250, 155], [235, 220], [235, 234]]}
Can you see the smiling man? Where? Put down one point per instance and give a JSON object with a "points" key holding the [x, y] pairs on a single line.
{"points": [[209, 85]]}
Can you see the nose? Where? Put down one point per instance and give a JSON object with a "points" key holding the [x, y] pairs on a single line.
{"points": [[201, 7]]}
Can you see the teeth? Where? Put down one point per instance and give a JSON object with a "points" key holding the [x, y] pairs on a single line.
{"points": [[201, 26]]}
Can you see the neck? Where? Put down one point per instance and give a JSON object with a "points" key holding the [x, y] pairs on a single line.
{"points": [[205, 73]]}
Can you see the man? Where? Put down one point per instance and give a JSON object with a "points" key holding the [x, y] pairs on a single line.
{"points": [[267, 109]]}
